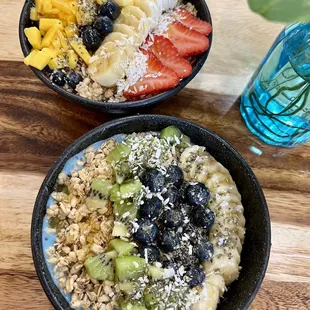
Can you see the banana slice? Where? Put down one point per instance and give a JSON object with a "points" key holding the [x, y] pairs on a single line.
{"points": [[209, 298], [169, 4], [151, 10], [218, 281], [123, 3], [106, 66], [134, 10], [159, 4], [130, 33]]}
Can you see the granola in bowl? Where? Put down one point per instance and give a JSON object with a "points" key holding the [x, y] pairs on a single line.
{"points": [[144, 221]]}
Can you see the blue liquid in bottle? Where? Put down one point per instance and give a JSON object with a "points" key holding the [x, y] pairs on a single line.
{"points": [[276, 104]]}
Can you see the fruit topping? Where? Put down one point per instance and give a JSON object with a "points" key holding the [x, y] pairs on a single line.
{"points": [[153, 179], [195, 276], [129, 267], [58, 78], [129, 188], [91, 38], [174, 175], [132, 306], [120, 230], [171, 133], [101, 267], [197, 194], [204, 250], [156, 273], [121, 247], [147, 231], [74, 79], [203, 217], [150, 253], [172, 195], [187, 41], [110, 9], [119, 152], [124, 210], [158, 78], [192, 22], [169, 240], [151, 208], [172, 218], [168, 54], [103, 25]]}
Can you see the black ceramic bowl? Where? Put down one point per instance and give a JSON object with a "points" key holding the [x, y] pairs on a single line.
{"points": [[255, 253], [126, 107]]}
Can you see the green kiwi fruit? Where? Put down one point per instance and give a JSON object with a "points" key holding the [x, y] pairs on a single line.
{"points": [[155, 273], [99, 194], [102, 266], [122, 172], [120, 230], [171, 133], [122, 247], [130, 187], [125, 211], [127, 288], [129, 267], [118, 153], [185, 142]]}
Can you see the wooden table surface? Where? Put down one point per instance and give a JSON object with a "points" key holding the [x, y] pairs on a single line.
{"points": [[36, 125]]}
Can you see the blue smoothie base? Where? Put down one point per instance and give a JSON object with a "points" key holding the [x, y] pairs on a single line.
{"points": [[49, 239]]}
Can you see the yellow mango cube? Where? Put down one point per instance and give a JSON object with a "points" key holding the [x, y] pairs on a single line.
{"points": [[46, 24], [40, 60], [55, 63], [71, 19], [72, 59], [56, 43], [62, 6], [63, 40], [80, 49], [34, 14], [55, 11], [70, 30], [34, 37], [50, 51], [47, 7], [49, 36], [39, 5], [29, 57], [74, 7]]}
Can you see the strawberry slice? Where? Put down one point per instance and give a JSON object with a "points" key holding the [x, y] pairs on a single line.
{"points": [[168, 54], [191, 21], [158, 78], [188, 42]]}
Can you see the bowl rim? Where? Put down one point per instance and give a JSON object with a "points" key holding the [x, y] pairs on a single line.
{"points": [[114, 106], [36, 225]]}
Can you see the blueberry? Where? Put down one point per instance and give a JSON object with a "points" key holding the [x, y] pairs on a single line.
{"points": [[195, 276], [147, 231], [74, 79], [151, 208], [173, 195], [172, 218], [104, 25], [152, 252], [203, 217], [110, 9], [186, 209], [153, 179], [91, 38], [169, 240], [204, 250], [175, 175], [183, 189], [197, 194], [58, 78]]}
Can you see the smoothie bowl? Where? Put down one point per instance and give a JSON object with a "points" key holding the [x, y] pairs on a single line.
{"points": [[115, 55], [150, 212]]}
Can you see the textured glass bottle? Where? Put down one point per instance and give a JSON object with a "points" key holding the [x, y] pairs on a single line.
{"points": [[276, 103]]}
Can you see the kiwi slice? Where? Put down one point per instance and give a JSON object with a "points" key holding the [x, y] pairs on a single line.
{"points": [[120, 230], [185, 142], [132, 306], [115, 194], [122, 172], [126, 210], [130, 187], [155, 273], [122, 247], [99, 194], [171, 133], [129, 267], [101, 267], [127, 287], [118, 153], [150, 299]]}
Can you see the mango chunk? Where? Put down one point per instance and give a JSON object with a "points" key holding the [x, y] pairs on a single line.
{"points": [[40, 60], [39, 5], [50, 51], [55, 11], [70, 30], [63, 41], [56, 63], [56, 43], [47, 7], [81, 50], [34, 37], [29, 57], [34, 14], [62, 6], [72, 59], [46, 24], [49, 36]]}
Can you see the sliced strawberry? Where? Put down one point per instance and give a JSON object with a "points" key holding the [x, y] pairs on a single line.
{"points": [[188, 42], [158, 78], [168, 54], [191, 21]]}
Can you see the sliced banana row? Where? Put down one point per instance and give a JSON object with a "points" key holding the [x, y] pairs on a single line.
{"points": [[137, 19], [227, 233]]}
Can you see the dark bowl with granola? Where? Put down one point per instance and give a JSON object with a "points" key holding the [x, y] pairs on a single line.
{"points": [[96, 54], [150, 212]]}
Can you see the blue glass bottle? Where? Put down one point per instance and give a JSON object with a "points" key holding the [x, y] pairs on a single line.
{"points": [[276, 103]]}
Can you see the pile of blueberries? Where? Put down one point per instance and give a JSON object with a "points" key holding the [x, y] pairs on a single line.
{"points": [[92, 36], [161, 229]]}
